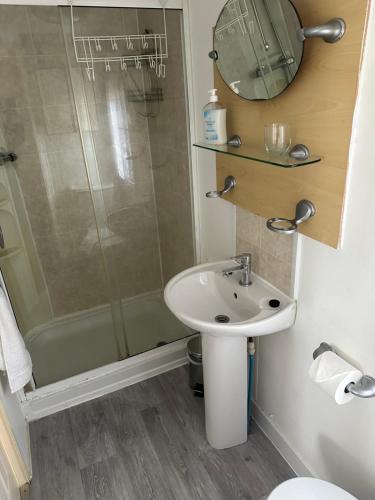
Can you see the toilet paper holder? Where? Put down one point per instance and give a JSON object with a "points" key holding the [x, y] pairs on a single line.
{"points": [[364, 388]]}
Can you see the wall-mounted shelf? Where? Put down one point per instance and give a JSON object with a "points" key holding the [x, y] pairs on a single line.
{"points": [[259, 154]]}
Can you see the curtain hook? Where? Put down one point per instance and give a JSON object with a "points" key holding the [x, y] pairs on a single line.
{"points": [[123, 64], [98, 47]]}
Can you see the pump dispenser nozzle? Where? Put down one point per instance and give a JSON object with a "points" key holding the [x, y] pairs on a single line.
{"points": [[213, 95]]}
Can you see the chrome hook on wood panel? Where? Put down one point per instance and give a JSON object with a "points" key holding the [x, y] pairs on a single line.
{"points": [[229, 184], [331, 32], [305, 209]]}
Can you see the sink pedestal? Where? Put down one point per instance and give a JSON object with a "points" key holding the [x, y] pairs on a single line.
{"points": [[225, 389], [198, 297]]}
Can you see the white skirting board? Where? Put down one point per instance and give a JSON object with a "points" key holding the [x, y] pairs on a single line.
{"points": [[280, 443], [95, 383]]}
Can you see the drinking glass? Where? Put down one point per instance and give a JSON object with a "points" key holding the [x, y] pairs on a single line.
{"points": [[277, 138]]}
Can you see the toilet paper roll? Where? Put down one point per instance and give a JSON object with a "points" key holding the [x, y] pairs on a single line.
{"points": [[333, 374]]}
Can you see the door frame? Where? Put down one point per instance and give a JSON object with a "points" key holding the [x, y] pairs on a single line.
{"points": [[10, 448]]}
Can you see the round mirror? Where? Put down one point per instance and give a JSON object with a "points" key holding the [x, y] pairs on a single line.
{"points": [[256, 46]]}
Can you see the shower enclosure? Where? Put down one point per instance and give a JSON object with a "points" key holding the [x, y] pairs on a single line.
{"points": [[96, 211]]}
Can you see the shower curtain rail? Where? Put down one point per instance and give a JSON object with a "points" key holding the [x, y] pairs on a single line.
{"points": [[152, 49]]}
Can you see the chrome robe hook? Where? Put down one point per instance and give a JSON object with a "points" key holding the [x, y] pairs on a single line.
{"points": [[229, 184], [330, 32]]}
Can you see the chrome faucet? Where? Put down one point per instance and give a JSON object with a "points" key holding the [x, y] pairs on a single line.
{"points": [[244, 261]]}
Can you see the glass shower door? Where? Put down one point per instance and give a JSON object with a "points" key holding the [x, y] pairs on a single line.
{"points": [[96, 212], [134, 130], [52, 263]]}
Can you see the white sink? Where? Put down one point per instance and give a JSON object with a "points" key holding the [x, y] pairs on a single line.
{"points": [[200, 294], [200, 297]]}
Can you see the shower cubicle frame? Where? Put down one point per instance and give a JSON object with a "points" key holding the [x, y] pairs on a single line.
{"points": [[89, 385]]}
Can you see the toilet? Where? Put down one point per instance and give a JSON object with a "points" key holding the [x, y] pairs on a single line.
{"points": [[308, 488]]}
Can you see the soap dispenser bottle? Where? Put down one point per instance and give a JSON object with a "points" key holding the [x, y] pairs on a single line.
{"points": [[215, 120]]}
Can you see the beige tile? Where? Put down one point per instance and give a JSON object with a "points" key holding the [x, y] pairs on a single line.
{"points": [[174, 172], [41, 220], [52, 142], [15, 38], [78, 287], [126, 265], [55, 200], [135, 223], [54, 86], [276, 271], [59, 120], [272, 253], [277, 245], [124, 162], [74, 211], [56, 251], [19, 86], [68, 171], [170, 130], [174, 84], [18, 131], [93, 21], [46, 29], [29, 168], [248, 226], [151, 20], [176, 237], [177, 255]]}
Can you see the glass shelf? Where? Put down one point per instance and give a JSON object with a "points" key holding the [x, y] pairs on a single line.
{"points": [[255, 153]]}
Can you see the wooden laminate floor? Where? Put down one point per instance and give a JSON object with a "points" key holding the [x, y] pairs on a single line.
{"points": [[144, 442]]}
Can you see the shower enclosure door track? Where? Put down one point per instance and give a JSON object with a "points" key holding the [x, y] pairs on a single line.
{"points": [[95, 383]]}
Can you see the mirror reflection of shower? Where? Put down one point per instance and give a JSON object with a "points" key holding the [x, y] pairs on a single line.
{"points": [[257, 49]]}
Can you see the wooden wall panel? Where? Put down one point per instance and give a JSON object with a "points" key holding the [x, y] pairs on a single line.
{"points": [[319, 106]]}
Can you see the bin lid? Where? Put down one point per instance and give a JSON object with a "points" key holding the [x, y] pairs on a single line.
{"points": [[194, 347]]}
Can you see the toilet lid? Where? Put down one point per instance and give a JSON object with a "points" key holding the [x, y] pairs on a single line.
{"points": [[308, 488]]}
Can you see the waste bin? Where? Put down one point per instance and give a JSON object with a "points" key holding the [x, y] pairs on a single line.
{"points": [[194, 354]]}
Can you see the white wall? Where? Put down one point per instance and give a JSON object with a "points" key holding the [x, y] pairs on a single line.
{"points": [[217, 217], [336, 303]]}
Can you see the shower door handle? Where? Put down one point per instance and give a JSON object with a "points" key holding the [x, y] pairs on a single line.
{"points": [[2, 242]]}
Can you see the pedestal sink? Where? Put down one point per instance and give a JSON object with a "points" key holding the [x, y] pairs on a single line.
{"points": [[226, 313]]}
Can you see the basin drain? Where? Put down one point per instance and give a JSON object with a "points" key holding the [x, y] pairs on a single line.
{"points": [[222, 318]]}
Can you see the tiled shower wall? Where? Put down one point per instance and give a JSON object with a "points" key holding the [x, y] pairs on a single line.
{"points": [[38, 123], [141, 190], [169, 151], [117, 140], [272, 253]]}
